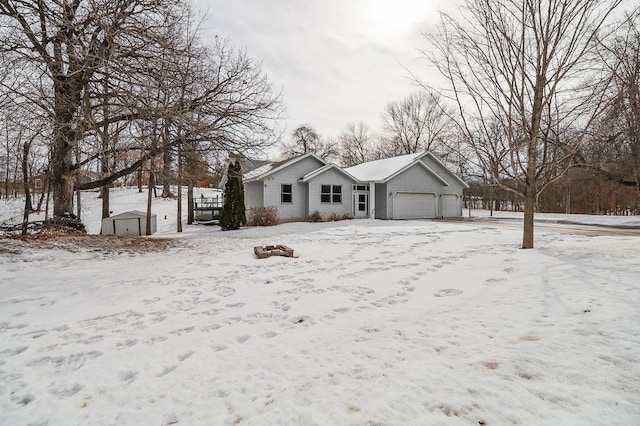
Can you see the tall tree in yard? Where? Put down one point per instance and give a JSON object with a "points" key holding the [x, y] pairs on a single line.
{"points": [[305, 139], [356, 144], [115, 68], [68, 41], [416, 123], [233, 211], [622, 56], [528, 67]]}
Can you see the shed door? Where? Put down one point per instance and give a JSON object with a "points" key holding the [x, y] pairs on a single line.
{"points": [[451, 205], [408, 205], [127, 226]]}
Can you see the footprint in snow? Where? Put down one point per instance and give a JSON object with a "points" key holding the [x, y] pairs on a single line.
{"points": [[218, 348], [91, 340], [37, 333], [166, 370], [185, 356], [24, 399], [225, 291], [155, 339], [128, 376], [182, 331], [243, 338], [448, 292], [66, 390], [126, 344], [15, 351], [210, 327]]}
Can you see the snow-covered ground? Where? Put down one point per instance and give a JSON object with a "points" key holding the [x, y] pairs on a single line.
{"points": [[375, 322]]}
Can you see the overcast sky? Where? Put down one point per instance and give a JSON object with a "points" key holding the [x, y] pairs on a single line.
{"points": [[336, 61]]}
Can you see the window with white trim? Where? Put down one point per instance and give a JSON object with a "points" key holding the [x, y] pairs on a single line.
{"points": [[331, 194], [286, 193]]}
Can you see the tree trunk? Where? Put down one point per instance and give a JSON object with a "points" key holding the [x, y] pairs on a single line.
{"points": [[527, 234], [79, 205], [46, 205], [78, 195], [166, 163], [152, 185], [67, 102], [104, 194], [45, 190], [140, 179], [190, 201], [179, 213], [25, 184]]}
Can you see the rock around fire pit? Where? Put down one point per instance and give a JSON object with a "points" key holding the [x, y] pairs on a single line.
{"points": [[276, 250]]}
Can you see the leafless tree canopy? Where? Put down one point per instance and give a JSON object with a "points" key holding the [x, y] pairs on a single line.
{"points": [[621, 54], [525, 69], [305, 139], [413, 124], [356, 144], [121, 82]]}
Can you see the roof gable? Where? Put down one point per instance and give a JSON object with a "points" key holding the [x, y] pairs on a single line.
{"points": [[455, 176], [324, 169], [381, 170], [418, 163], [270, 168], [388, 168]]}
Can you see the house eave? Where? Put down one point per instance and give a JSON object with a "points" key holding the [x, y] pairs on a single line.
{"points": [[324, 169], [413, 163]]}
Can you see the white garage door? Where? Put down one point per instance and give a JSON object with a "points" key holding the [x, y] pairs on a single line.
{"points": [[414, 206], [450, 205]]}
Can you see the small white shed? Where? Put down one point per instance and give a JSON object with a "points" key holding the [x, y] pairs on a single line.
{"points": [[131, 223]]}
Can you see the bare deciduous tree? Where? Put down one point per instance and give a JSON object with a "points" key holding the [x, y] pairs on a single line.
{"points": [[112, 81], [413, 124], [69, 41], [356, 144], [527, 66], [306, 139], [622, 56]]}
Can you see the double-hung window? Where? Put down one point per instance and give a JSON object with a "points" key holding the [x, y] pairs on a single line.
{"points": [[286, 193], [331, 193]]}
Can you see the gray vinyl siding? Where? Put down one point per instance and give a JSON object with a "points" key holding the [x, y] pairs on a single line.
{"points": [[414, 179], [455, 187], [254, 194], [381, 196], [331, 177], [297, 209]]}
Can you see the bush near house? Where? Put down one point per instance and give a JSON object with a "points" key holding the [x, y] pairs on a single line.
{"points": [[262, 216], [334, 217], [316, 216]]}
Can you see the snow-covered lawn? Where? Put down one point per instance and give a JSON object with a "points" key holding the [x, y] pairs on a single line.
{"points": [[375, 322]]}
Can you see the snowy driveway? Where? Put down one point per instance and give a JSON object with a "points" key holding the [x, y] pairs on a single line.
{"points": [[374, 323]]}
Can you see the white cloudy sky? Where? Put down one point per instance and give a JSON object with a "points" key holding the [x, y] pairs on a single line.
{"points": [[336, 61]]}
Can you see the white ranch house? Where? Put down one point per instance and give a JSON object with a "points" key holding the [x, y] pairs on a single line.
{"points": [[414, 186]]}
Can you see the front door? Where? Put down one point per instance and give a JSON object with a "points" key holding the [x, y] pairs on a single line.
{"points": [[361, 205]]}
